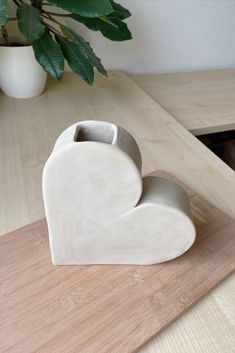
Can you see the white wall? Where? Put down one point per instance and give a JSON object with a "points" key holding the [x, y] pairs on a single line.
{"points": [[169, 36]]}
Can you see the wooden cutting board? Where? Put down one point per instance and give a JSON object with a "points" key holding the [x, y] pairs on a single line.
{"points": [[104, 309]]}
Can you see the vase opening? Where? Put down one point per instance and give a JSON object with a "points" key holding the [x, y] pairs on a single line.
{"points": [[96, 132]]}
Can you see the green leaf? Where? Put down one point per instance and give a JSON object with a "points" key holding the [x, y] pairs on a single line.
{"points": [[87, 8], [84, 47], [111, 28], [30, 22], [3, 12], [76, 60], [119, 11], [49, 55]]}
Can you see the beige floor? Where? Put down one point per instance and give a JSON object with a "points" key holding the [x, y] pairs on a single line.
{"points": [[28, 129]]}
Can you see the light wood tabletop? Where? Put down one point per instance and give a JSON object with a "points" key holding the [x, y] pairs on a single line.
{"points": [[28, 130], [203, 102]]}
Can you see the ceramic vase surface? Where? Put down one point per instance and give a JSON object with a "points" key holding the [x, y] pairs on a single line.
{"points": [[99, 208]]}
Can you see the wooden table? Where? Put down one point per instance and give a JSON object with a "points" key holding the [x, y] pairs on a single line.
{"points": [[28, 129], [203, 102]]}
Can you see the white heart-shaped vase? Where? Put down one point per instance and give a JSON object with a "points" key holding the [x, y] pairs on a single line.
{"points": [[100, 210]]}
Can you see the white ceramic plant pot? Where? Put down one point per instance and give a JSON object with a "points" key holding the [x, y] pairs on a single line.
{"points": [[21, 76], [100, 210]]}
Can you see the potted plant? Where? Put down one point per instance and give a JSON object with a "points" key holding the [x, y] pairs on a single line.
{"points": [[48, 42]]}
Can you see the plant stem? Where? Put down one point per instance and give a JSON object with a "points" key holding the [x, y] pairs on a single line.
{"points": [[16, 2], [37, 4], [54, 30], [5, 36], [49, 17], [58, 14]]}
